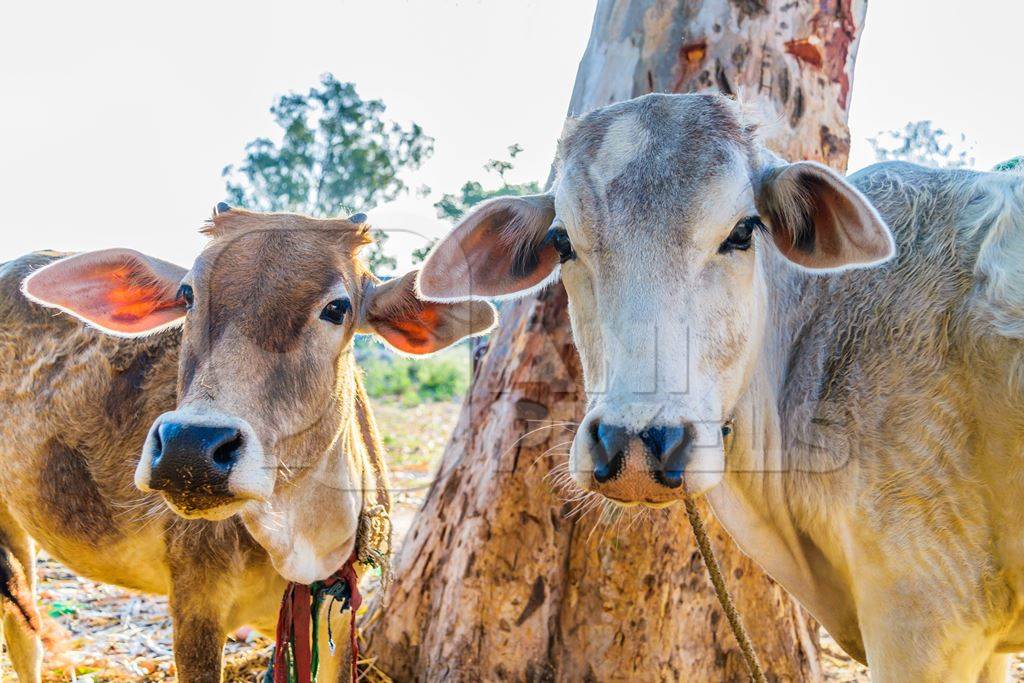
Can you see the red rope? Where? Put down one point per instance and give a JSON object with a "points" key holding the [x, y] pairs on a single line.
{"points": [[294, 622], [348, 575]]}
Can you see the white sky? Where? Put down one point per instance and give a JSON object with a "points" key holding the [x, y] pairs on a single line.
{"points": [[117, 121]]}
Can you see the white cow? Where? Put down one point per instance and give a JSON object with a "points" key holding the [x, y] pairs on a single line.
{"points": [[857, 342]]}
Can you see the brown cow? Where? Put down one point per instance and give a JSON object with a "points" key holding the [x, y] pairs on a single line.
{"points": [[267, 419]]}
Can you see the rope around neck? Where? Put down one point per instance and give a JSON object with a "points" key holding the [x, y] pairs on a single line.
{"points": [[715, 572], [296, 652]]}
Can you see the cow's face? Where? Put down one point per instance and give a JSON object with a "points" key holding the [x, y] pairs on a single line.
{"points": [[266, 423], [660, 215]]}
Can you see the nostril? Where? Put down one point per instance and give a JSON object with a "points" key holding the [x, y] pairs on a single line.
{"points": [[227, 453], [673, 479], [655, 439], [610, 451], [158, 446], [608, 470], [671, 448], [164, 439]]}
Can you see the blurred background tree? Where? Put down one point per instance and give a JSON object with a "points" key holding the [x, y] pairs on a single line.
{"points": [[920, 143], [336, 156], [1014, 165], [453, 207]]}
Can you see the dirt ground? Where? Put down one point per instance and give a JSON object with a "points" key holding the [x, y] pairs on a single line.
{"points": [[100, 633]]}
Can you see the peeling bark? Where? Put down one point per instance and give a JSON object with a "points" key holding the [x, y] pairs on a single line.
{"points": [[495, 580]]}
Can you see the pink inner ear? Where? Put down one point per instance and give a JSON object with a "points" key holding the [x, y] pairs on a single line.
{"points": [[115, 291], [132, 303], [408, 337], [413, 333]]}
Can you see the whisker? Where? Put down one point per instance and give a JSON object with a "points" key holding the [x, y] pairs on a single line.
{"points": [[557, 445], [551, 425]]}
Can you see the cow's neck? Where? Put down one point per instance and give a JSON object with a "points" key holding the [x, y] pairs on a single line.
{"points": [[359, 448], [757, 502], [350, 445]]}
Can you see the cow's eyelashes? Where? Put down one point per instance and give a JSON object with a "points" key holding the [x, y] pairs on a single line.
{"points": [[742, 235], [558, 238], [335, 311], [187, 295]]}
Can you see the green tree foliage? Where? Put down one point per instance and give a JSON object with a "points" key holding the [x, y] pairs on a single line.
{"points": [[454, 206], [336, 156], [920, 143], [1014, 165]]}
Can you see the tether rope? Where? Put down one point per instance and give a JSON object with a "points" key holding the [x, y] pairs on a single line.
{"points": [[715, 572]]}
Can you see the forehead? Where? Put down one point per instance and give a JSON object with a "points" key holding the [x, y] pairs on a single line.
{"points": [[264, 273], [657, 158]]}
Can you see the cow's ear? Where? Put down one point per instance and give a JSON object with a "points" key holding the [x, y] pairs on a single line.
{"points": [[118, 291], [411, 325], [820, 221], [497, 250]]}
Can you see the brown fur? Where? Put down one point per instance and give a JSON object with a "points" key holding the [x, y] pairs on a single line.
{"points": [[86, 514], [79, 404]]}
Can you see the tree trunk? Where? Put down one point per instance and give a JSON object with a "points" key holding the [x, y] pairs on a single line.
{"points": [[497, 580]]}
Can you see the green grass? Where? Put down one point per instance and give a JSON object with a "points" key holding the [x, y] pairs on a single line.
{"points": [[442, 377]]}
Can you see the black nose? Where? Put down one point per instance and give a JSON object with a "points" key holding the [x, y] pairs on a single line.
{"points": [[669, 447], [610, 454], [194, 458]]}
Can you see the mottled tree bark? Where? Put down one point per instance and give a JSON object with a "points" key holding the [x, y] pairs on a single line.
{"points": [[495, 580]]}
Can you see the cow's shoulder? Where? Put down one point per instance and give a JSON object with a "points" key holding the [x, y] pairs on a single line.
{"points": [[14, 307], [959, 237], [76, 371], [926, 208], [911, 308], [970, 222], [997, 302]]}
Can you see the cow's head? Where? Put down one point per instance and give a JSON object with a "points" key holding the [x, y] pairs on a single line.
{"points": [[268, 421], [663, 215]]}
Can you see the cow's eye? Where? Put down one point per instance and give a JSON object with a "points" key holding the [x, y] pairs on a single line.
{"points": [[335, 311], [185, 292], [742, 235], [559, 239]]}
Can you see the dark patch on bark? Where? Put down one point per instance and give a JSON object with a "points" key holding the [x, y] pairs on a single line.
{"points": [[536, 599], [70, 494], [832, 145], [749, 8], [530, 410], [721, 80], [739, 55], [783, 80], [540, 672], [798, 108]]}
